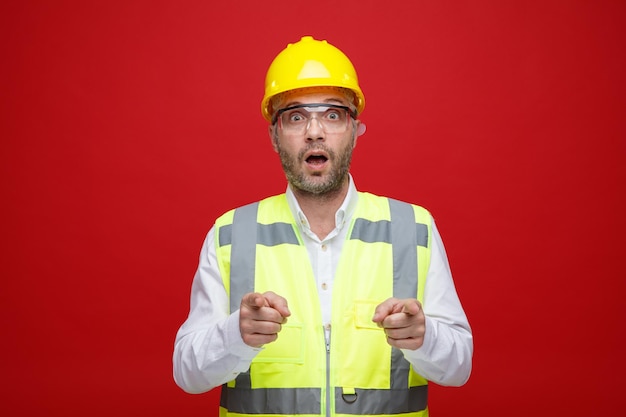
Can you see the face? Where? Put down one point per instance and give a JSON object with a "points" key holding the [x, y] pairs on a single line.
{"points": [[314, 161]]}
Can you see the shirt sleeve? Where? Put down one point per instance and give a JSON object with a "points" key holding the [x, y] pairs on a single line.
{"points": [[208, 349], [446, 354]]}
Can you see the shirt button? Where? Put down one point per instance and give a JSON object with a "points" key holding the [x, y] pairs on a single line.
{"points": [[324, 286], [324, 247], [326, 326]]}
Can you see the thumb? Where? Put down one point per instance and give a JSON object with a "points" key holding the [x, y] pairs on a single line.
{"points": [[411, 307]]}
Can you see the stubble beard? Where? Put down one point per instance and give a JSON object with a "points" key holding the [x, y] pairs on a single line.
{"points": [[317, 185]]}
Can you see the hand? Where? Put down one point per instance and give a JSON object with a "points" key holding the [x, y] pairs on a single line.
{"points": [[403, 321], [261, 317]]}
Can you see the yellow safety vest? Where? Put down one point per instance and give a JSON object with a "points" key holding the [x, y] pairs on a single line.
{"points": [[386, 254]]}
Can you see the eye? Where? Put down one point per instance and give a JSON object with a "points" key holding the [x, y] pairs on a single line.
{"points": [[295, 117], [333, 115]]}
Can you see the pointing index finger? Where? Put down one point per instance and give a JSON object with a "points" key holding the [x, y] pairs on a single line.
{"points": [[384, 309], [255, 300]]}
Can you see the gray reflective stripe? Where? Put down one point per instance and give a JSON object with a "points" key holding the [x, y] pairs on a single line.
{"points": [[268, 234], [383, 401], [243, 253], [242, 260], [422, 234], [371, 232], [276, 234], [404, 244], [289, 401], [243, 380], [400, 369], [225, 235]]}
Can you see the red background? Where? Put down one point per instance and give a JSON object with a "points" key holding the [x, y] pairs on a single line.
{"points": [[128, 126]]}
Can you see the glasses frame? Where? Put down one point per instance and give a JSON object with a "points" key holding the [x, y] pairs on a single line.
{"points": [[352, 113]]}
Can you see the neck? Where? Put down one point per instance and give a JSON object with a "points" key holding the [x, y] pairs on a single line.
{"points": [[320, 209]]}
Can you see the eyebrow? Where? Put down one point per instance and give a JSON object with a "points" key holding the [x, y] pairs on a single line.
{"points": [[328, 100]]}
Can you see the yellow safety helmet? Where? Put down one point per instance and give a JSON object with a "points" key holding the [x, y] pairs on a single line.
{"points": [[310, 63]]}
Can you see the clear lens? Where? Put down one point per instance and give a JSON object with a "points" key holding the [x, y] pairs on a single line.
{"points": [[297, 119]]}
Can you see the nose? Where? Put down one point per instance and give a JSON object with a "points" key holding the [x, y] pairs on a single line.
{"points": [[314, 129]]}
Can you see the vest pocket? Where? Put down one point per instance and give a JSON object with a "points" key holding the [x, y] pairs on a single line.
{"points": [[288, 348], [364, 342]]}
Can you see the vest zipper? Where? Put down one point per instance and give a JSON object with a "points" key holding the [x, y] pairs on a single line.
{"points": [[327, 337]]}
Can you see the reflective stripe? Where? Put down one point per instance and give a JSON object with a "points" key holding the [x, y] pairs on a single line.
{"points": [[289, 401], [243, 381], [226, 235], [404, 247], [242, 261], [422, 234], [371, 232], [400, 369], [267, 234], [276, 234], [243, 253], [383, 401]]}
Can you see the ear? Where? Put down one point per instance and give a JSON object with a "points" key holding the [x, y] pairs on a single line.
{"points": [[361, 128], [270, 131]]}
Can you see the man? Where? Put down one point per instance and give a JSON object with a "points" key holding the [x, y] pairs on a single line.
{"points": [[323, 300]]}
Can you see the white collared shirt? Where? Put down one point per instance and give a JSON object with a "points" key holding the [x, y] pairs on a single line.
{"points": [[209, 350], [324, 254]]}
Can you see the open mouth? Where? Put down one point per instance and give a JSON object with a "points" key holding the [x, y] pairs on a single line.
{"points": [[316, 159]]}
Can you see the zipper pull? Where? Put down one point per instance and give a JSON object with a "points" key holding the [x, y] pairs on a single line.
{"points": [[327, 336]]}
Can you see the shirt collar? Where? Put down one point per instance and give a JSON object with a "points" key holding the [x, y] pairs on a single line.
{"points": [[342, 216]]}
